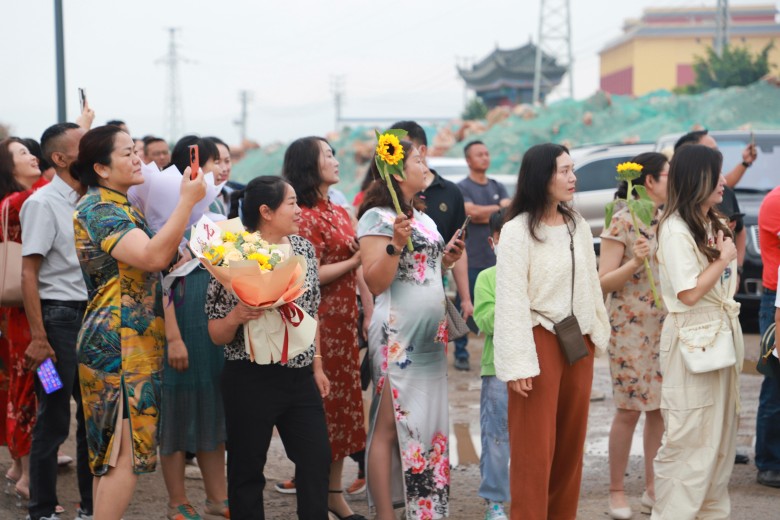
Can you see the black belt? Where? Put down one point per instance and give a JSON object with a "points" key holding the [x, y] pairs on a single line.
{"points": [[770, 291], [65, 303]]}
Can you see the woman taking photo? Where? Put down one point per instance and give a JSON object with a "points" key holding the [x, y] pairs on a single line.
{"points": [[408, 447], [259, 397], [20, 175], [537, 288], [636, 332], [120, 347], [193, 418], [311, 169], [697, 258]]}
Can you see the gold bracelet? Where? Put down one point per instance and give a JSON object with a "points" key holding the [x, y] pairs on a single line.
{"points": [[318, 356]]}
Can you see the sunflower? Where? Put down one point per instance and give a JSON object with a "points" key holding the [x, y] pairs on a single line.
{"points": [[389, 149], [629, 166]]}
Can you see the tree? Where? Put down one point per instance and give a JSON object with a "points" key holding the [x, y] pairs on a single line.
{"points": [[737, 66], [475, 109]]}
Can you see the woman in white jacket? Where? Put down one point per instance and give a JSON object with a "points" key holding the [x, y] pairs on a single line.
{"points": [[548, 398]]}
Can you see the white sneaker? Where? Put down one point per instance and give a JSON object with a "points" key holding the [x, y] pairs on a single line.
{"points": [[495, 511], [81, 515]]}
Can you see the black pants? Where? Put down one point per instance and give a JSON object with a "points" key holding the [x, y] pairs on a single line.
{"points": [[257, 398], [62, 321]]}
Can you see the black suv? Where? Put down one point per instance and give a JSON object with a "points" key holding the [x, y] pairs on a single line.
{"points": [[760, 178]]}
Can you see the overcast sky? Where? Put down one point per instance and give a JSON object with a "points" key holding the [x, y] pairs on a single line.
{"points": [[397, 58]]}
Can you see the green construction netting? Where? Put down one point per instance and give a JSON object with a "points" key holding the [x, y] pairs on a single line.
{"points": [[613, 119]]}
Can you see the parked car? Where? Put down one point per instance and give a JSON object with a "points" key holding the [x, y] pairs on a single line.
{"points": [[760, 178]]}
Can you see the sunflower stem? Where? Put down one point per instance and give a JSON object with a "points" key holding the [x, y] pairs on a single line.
{"points": [[648, 271], [397, 205]]}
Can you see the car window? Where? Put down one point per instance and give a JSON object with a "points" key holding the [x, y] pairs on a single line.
{"points": [[765, 172], [600, 174]]}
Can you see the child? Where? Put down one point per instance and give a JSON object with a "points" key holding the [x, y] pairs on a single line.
{"points": [[493, 464]]}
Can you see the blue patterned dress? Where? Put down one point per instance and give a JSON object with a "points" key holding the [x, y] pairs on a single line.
{"points": [[120, 346], [407, 344]]}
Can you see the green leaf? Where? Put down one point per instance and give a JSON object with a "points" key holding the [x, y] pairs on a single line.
{"points": [[399, 133], [643, 209], [381, 167], [377, 134], [609, 209], [642, 192], [397, 169]]}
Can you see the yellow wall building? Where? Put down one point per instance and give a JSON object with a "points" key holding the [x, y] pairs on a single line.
{"points": [[657, 51]]}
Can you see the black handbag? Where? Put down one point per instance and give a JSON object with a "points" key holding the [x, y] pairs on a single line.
{"points": [[768, 364]]}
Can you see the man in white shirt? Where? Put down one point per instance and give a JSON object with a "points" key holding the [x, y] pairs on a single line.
{"points": [[55, 298]]}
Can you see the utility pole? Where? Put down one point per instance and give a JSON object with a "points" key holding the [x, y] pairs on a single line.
{"points": [[245, 97], [337, 89], [721, 40], [59, 41], [173, 109], [555, 40]]}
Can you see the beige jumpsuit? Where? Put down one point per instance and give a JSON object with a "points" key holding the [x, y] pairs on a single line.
{"points": [[694, 463]]}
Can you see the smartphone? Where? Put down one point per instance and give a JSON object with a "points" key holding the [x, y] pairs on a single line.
{"points": [[82, 98], [752, 140], [194, 161], [50, 379], [462, 229]]}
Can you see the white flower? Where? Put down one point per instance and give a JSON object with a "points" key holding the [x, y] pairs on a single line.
{"points": [[252, 238], [233, 256], [247, 247]]}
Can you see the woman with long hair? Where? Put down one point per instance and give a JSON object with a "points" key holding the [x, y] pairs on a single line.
{"points": [[636, 331], [311, 168], [20, 176], [287, 396], [120, 346], [698, 269], [539, 284], [408, 442], [193, 418]]}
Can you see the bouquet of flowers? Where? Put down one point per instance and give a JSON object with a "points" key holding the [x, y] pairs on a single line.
{"points": [[262, 275], [641, 208]]}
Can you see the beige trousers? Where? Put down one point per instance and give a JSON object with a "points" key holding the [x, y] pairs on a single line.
{"points": [[694, 463]]}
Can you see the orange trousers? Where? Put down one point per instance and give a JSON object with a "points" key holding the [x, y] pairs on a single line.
{"points": [[547, 434]]}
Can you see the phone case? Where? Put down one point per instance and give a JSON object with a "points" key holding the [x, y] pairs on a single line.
{"points": [[49, 377]]}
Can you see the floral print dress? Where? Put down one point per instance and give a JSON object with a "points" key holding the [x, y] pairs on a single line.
{"points": [[636, 324], [120, 346], [407, 345], [328, 227]]}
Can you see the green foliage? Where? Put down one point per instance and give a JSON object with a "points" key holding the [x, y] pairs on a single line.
{"points": [[736, 67], [475, 109]]}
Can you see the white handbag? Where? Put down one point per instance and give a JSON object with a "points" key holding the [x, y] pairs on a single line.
{"points": [[706, 347], [10, 268]]}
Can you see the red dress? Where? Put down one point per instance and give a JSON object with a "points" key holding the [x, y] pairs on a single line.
{"points": [[328, 227], [17, 384]]}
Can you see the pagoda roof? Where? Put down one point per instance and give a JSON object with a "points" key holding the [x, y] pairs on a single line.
{"points": [[510, 67]]}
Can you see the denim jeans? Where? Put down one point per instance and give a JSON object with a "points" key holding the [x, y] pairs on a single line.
{"points": [[494, 462], [62, 321], [768, 416], [462, 343]]}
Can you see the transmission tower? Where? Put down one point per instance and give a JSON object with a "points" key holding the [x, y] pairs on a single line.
{"points": [[337, 89], [173, 111], [721, 27], [555, 40], [245, 97]]}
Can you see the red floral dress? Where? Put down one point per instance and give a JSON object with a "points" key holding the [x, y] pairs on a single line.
{"points": [[328, 227], [17, 385]]}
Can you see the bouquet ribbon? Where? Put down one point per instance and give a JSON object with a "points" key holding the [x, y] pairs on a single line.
{"points": [[291, 315]]}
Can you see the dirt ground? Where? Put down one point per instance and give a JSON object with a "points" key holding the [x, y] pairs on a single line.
{"points": [[749, 500]]}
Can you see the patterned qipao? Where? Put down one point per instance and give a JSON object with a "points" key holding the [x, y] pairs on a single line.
{"points": [[123, 335], [407, 345]]}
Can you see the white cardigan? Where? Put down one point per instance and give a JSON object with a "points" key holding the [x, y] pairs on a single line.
{"points": [[536, 276]]}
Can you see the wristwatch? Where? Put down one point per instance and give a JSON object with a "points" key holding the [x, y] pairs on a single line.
{"points": [[392, 251], [746, 164]]}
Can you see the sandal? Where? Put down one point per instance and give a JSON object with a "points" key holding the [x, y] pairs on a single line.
{"points": [[353, 516]]}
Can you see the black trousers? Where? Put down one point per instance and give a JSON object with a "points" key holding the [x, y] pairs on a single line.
{"points": [[62, 321], [257, 398]]}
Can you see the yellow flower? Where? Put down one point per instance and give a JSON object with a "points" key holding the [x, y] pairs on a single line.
{"points": [[227, 236], [389, 149], [629, 166], [259, 257], [266, 267]]}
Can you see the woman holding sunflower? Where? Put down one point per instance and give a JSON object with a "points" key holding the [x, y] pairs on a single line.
{"points": [[403, 254]]}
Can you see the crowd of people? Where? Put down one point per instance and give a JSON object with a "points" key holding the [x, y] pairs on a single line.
{"points": [[156, 367]]}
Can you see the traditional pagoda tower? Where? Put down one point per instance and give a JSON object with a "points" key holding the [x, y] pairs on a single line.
{"points": [[506, 76]]}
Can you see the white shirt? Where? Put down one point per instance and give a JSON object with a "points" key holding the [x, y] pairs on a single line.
{"points": [[47, 230], [535, 277]]}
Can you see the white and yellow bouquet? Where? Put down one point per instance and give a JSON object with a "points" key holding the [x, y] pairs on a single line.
{"points": [[262, 275]]}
